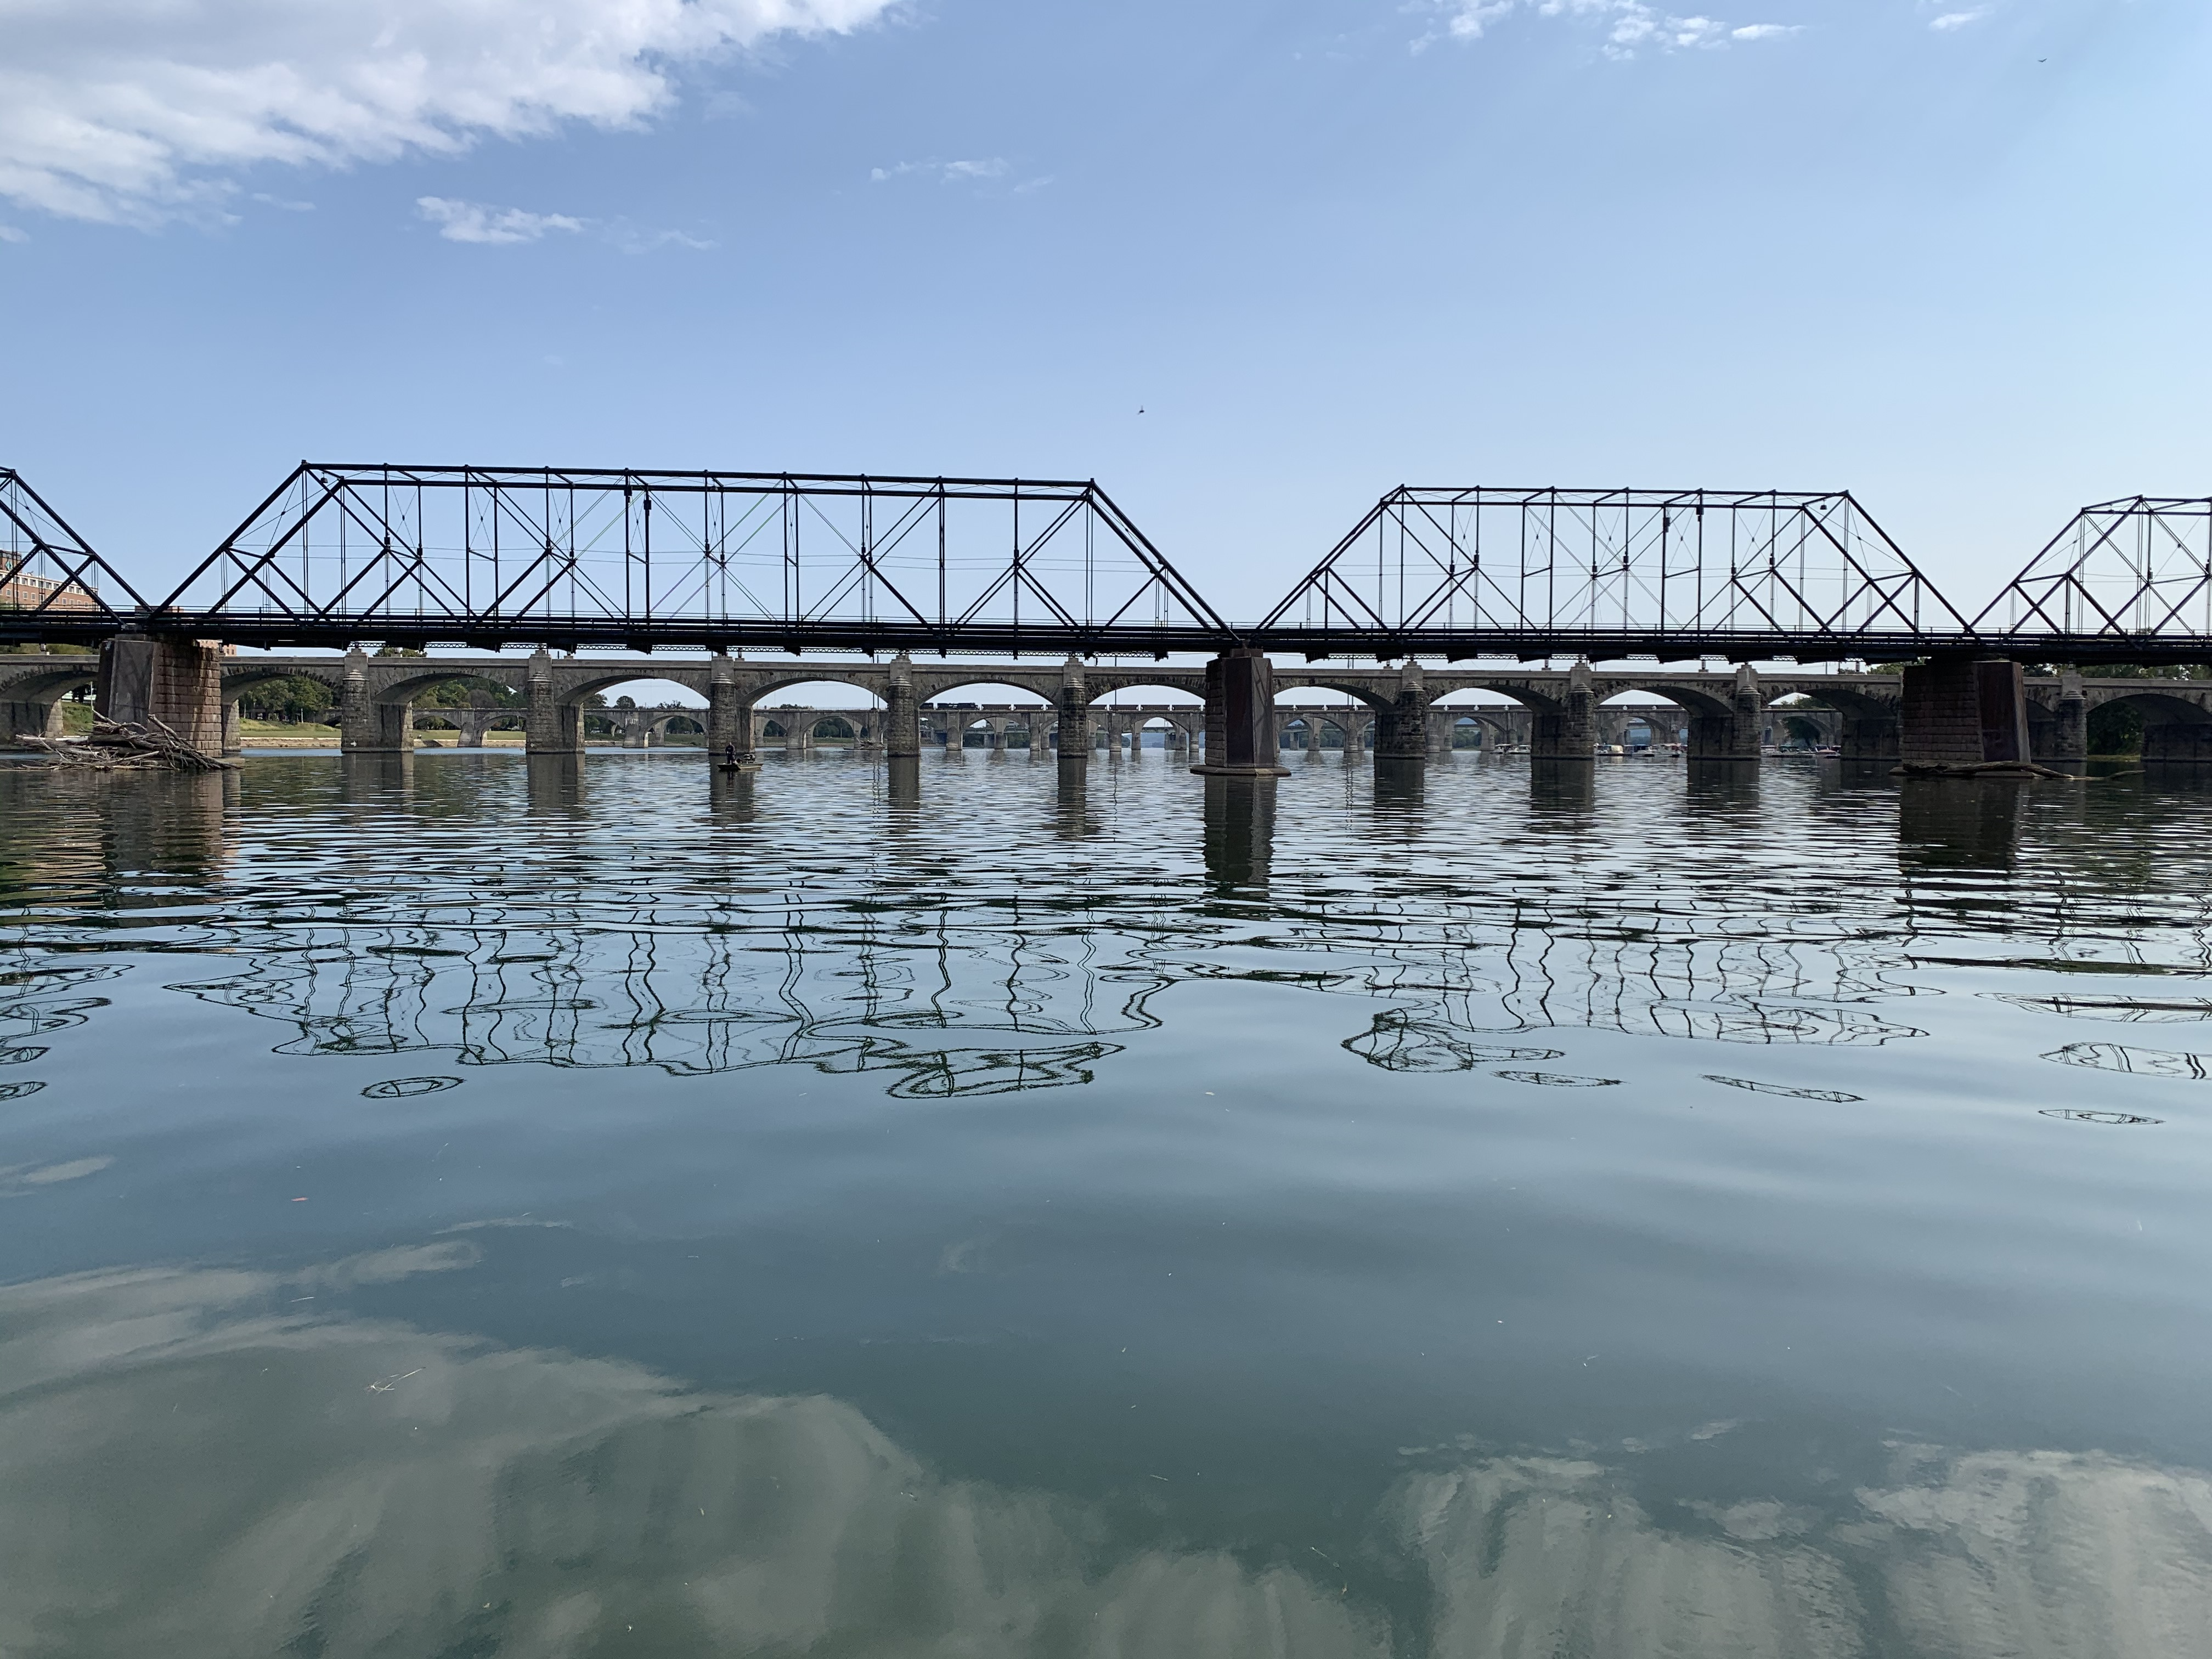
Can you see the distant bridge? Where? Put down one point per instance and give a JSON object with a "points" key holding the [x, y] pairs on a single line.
{"points": [[1405, 712], [570, 559]]}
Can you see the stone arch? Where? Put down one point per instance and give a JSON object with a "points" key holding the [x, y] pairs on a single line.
{"points": [[1496, 730], [751, 689], [1102, 682], [237, 682], [1351, 689], [1868, 728], [1695, 701], [414, 685], [1097, 695], [30, 699], [2175, 728], [845, 732], [662, 724], [937, 686]]}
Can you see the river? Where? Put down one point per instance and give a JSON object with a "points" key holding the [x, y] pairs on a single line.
{"points": [[466, 1205]]}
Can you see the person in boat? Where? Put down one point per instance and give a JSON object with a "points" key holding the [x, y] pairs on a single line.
{"points": [[729, 754]]}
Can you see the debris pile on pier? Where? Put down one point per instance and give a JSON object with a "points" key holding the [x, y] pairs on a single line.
{"points": [[2011, 769], [127, 745]]}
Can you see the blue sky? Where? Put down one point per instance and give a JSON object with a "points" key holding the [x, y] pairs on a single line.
{"points": [[1950, 257]]}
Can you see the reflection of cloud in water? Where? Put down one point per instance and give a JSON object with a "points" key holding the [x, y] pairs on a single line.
{"points": [[2045, 1555], [198, 1465], [198, 1470]]}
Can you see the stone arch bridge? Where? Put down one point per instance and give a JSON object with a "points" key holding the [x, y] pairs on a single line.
{"points": [[1402, 712]]}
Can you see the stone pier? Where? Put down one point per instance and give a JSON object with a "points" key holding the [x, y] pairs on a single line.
{"points": [[1567, 729], [1072, 720], [552, 724], [1733, 735], [1402, 725], [177, 682], [1961, 710], [729, 715]]}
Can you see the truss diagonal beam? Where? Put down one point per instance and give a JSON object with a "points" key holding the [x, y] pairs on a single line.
{"points": [[344, 551], [49, 575]]}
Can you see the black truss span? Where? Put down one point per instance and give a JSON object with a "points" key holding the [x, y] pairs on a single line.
{"points": [[589, 555], [575, 557], [1657, 564]]}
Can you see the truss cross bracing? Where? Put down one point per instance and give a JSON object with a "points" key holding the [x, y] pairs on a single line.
{"points": [[1614, 572], [49, 577], [2133, 575], [479, 553]]}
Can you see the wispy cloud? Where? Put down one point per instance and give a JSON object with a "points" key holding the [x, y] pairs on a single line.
{"points": [[11, 233], [135, 111], [946, 173], [473, 221], [1630, 26], [477, 221], [1958, 20]]}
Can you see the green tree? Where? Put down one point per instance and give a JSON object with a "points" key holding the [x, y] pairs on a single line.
{"points": [[296, 697]]}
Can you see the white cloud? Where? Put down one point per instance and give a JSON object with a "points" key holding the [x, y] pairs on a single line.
{"points": [[472, 221], [1958, 20], [10, 234], [475, 222], [136, 111], [946, 172], [1630, 25]]}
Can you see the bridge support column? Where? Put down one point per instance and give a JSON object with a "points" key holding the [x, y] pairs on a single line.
{"points": [[2069, 732], [1240, 702], [366, 726], [729, 716], [176, 681], [1960, 710], [1733, 736], [1072, 723], [1568, 733], [29, 718], [1401, 733], [551, 726], [902, 712], [234, 730], [470, 725]]}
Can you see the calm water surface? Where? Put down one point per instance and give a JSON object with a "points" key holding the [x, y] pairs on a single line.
{"points": [[468, 1207]]}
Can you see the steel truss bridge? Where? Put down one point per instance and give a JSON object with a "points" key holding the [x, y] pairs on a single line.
{"points": [[575, 557]]}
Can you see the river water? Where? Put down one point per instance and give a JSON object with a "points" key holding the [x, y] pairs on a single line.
{"points": [[464, 1206]]}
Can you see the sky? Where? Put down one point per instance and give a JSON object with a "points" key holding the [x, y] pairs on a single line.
{"points": [[1249, 264]]}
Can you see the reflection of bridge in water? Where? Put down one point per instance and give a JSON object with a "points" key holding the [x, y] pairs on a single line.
{"points": [[946, 983]]}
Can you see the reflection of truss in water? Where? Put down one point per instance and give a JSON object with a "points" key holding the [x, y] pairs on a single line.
{"points": [[1537, 965], [996, 1014]]}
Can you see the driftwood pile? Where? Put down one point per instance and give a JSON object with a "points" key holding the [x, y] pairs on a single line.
{"points": [[127, 745]]}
